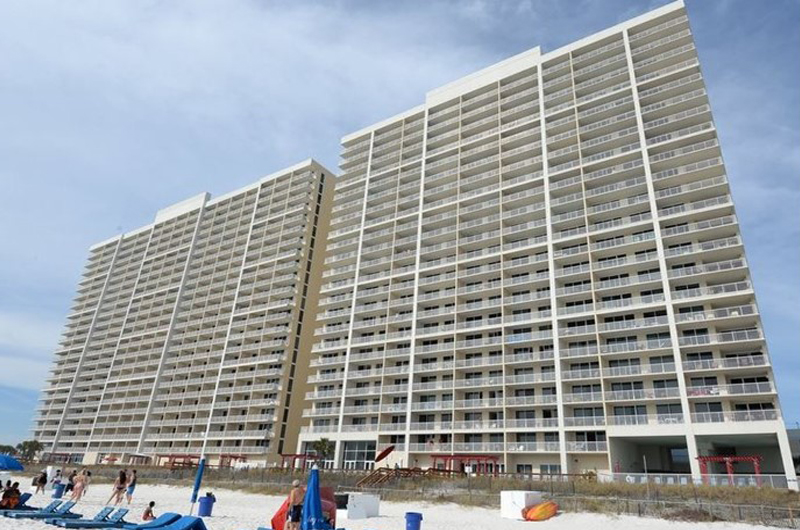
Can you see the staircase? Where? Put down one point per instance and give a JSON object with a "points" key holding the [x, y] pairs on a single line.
{"points": [[385, 474]]}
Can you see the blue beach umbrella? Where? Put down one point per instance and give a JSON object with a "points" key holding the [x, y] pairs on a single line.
{"points": [[312, 505], [198, 479], [9, 463]]}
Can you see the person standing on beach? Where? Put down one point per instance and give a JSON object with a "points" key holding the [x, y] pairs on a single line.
{"points": [[81, 483], [40, 482], [118, 490], [295, 512], [71, 481], [131, 486]]}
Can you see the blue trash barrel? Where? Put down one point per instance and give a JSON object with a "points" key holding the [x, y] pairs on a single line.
{"points": [[58, 490], [413, 520], [206, 504]]}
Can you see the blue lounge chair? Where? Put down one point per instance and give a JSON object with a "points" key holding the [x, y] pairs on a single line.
{"points": [[102, 515], [62, 512], [113, 521], [25, 497], [159, 522], [49, 509], [187, 522]]}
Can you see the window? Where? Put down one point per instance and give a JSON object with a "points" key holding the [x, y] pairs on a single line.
{"points": [[630, 410], [679, 456], [550, 469], [668, 408], [700, 356], [358, 455], [703, 381], [707, 412], [754, 406]]}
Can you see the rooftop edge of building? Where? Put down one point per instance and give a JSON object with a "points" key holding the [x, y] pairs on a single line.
{"points": [[509, 66], [201, 199]]}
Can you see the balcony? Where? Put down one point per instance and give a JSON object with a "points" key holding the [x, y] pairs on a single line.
{"points": [[532, 447], [642, 393], [738, 389], [639, 369], [319, 429], [736, 416], [713, 290], [646, 419], [583, 397], [584, 421], [586, 447], [746, 335], [726, 363], [626, 347]]}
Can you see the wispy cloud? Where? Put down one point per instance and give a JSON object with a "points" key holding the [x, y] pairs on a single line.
{"points": [[29, 332]]}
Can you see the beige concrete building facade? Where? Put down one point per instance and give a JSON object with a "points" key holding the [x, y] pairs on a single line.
{"points": [[192, 334], [542, 264]]}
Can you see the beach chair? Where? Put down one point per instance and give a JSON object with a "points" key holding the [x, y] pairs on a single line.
{"points": [[158, 523], [25, 497], [50, 508], [102, 515], [187, 522], [112, 521], [62, 512]]}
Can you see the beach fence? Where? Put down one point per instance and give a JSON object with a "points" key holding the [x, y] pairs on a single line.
{"points": [[768, 506], [694, 511]]}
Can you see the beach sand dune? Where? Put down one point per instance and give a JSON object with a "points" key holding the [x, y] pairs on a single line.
{"points": [[235, 510]]}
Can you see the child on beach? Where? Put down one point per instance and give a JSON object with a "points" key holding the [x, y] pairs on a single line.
{"points": [[148, 514]]}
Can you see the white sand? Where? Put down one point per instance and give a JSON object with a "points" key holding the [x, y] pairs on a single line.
{"points": [[243, 511]]}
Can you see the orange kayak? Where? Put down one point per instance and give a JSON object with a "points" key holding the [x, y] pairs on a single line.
{"points": [[540, 512]]}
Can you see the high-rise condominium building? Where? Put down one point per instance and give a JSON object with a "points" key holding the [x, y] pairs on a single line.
{"points": [[193, 334], [540, 269]]}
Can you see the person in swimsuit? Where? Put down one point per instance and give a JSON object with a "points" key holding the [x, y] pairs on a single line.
{"points": [[148, 514], [79, 485], [131, 486], [118, 490], [71, 481], [295, 506], [41, 482]]}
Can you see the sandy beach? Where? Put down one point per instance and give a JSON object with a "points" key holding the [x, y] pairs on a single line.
{"points": [[236, 510]]}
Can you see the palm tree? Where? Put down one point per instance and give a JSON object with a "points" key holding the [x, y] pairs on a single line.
{"points": [[8, 450], [324, 449], [28, 449]]}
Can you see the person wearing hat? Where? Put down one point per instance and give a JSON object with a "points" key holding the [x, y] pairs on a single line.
{"points": [[295, 512]]}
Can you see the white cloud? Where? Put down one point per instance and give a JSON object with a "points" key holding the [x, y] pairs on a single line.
{"points": [[28, 334], [28, 374]]}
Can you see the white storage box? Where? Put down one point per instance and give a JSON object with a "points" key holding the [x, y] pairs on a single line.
{"points": [[362, 506], [513, 502]]}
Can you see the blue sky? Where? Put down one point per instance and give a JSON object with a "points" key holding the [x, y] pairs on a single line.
{"points": [[112, 110]]}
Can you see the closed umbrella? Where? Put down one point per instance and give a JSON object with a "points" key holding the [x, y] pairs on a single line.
{"points": [[312, 505], [9, 463], [198, 479]]}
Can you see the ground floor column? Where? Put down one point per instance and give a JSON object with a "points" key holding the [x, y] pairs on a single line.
{"points": [[694, 452], [786, 458]]}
